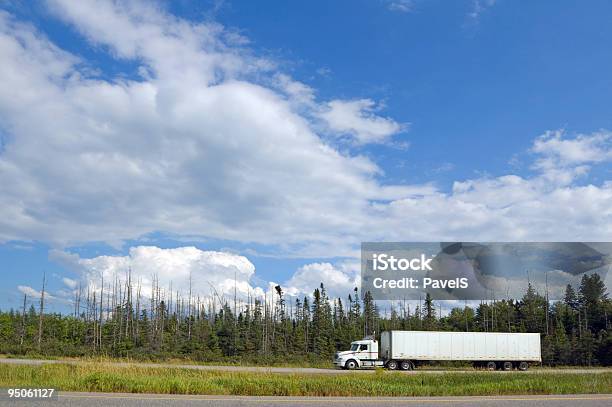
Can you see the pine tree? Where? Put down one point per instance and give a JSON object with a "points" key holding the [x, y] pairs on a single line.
{"points": [[586, 348], [532, 310], [570, 298], [369, 314], [562, 345], [429, 314], [318, 334], [592, 298]]}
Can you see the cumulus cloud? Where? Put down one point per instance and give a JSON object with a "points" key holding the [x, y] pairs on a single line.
{"points": [[562, 159], [211, 273], [193, 146], [205, 138], [547, 206], [403, 6], [33, 293], [356, 118], [70, 283], [583, 148], [339, 279]]}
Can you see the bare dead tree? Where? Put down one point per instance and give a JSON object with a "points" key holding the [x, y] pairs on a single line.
{"points": [[87, 305], [169, 305], [115, 313], [42, 310], [23, 318], [547, 303], [76, 302], [189, 313], [101, 310], [162, 312], [122, 307], [94, 307], [178, 306], [137, 327], [128, 304], [108, 302]]}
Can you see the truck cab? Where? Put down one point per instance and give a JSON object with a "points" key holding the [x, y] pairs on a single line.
{"points": [[362, 354]]}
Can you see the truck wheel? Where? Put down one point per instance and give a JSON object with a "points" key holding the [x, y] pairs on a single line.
{"points": [[491, 366], [351, 364], [406, 365], [523, 366], [392, 365], [507, 366]]}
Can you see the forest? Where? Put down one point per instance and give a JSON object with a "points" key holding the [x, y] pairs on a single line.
{"points": [[120, 321]]}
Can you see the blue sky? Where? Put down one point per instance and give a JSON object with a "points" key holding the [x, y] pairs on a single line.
{"points": [[467, 86], [284, 134]]}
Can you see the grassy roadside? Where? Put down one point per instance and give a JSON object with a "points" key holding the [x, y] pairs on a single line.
{"points": [[89, 377], [319, 364], [177, 361]]}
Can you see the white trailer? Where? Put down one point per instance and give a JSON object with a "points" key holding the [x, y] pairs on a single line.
{"points": [[407, 349]]}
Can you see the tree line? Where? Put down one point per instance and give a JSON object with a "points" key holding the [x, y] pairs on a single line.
{"points": [[119, 321]]}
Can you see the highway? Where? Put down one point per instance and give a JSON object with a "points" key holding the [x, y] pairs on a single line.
{"points": [[265, 369], [153, 400]]}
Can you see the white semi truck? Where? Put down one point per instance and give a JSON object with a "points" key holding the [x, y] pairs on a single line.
{"points": [[406, 349]]}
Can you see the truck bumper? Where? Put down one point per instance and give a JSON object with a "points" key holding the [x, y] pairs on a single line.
{"points": [[339, 363]]}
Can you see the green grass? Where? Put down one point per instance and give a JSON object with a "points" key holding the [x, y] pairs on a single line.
{"points": [[225, 361], [106, 378]]}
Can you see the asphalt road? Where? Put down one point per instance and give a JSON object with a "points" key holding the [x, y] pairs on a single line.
{"points": [[152, 400], [263, 369]]}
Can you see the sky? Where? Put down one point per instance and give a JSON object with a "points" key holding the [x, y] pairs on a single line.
{"points": [[259, 143]]}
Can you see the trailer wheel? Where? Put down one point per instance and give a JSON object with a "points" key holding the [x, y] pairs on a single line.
{"points": [[392, 365], [507, 366], [406, 365], [491, 366], [351, 364], [523, 366]]}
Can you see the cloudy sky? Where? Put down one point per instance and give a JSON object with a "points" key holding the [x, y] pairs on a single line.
{"points": [[231, 139]]}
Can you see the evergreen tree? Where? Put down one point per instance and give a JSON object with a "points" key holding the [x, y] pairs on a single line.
{"points": [[570, 298], [369, 314], [592, 298], [532, 309], [579, 328], [429, 314]]}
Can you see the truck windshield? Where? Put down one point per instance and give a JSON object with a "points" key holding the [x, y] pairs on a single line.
{"points": [[354, 347]]}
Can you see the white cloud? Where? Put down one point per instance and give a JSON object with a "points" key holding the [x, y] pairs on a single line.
{"points": [[583, 148], [404, 6], [193, 147], [33, 293], [562, 160], [212, 273], [357, 119], [198, 146], [70, 283], [299, 94], [339, 279], [479, 7]]}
